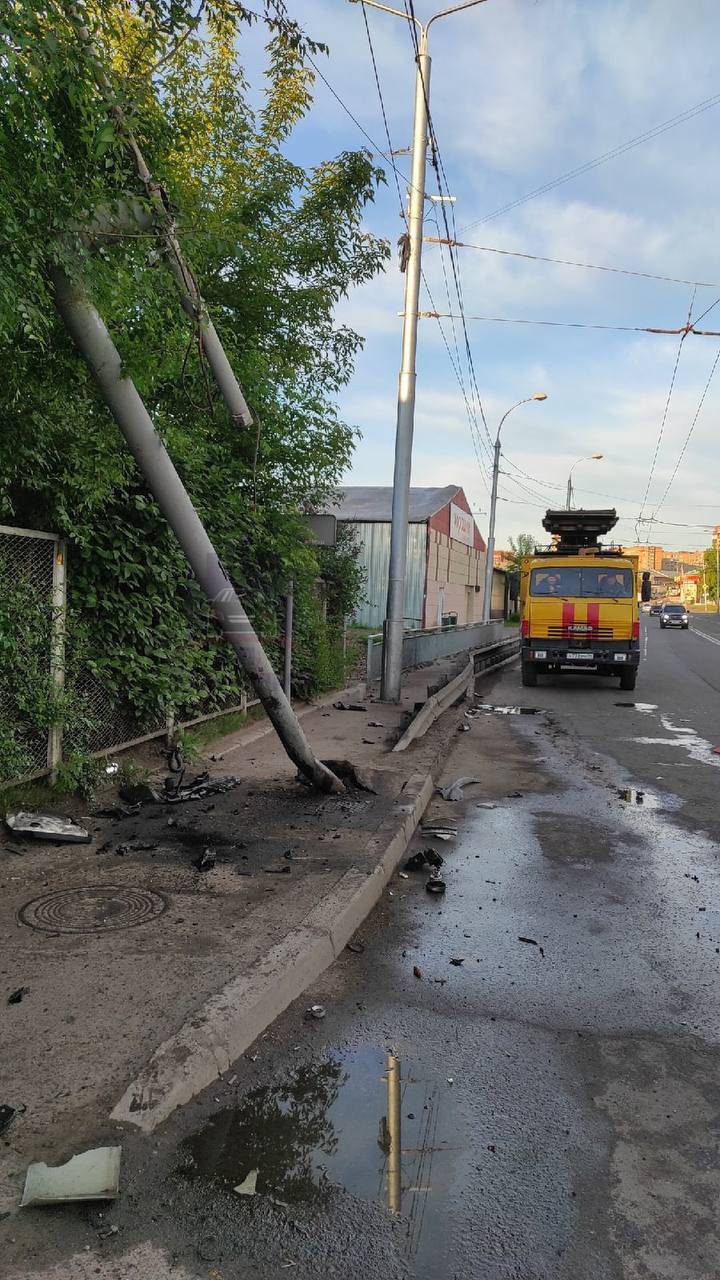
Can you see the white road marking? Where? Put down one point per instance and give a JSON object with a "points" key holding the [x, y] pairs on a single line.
{"points": [[697, 631]]}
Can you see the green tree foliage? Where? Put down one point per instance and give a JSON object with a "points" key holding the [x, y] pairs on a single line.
{"points": [[273, 246], [523, 545], [710, 562]]}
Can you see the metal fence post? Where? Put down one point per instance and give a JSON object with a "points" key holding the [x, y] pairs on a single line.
{"points": [[57, 650]]}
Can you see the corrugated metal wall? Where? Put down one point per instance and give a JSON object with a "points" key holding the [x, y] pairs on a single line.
{"points": [[374, 540]]}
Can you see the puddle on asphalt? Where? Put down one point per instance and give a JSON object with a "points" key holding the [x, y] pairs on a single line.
{"points": [[364, 1121], [645, 707], [490, 707]]}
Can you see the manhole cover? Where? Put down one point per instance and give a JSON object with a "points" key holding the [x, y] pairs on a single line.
{"points": [[92, 909]]}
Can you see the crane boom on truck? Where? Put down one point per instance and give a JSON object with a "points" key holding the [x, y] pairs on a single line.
{"points": [[579, 602]]}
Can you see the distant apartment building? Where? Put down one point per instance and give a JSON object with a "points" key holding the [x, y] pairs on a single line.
{"points": [[679, 562], [649, 558]]}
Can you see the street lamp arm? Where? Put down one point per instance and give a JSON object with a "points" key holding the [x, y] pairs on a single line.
{"points": [[512, 406], [469, 4], [399, 13]]}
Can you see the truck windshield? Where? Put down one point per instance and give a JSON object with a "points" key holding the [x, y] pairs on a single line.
{"points": [[583, 582]]}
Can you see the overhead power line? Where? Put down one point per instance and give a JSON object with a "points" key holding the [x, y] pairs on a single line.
{"points": [[564, 262], [663, 421], [686, 441], [649, 134], [579, 324]]}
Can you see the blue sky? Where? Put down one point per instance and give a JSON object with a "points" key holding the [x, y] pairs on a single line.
{"points": [[522, 92]]}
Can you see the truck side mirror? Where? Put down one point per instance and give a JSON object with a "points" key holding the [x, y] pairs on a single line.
{"points": [[646, 587]]}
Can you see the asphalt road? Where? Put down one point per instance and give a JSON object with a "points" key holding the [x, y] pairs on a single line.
{"points": [[553, 1020]]}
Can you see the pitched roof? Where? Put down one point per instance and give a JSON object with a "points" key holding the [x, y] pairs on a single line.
{"points": [[371, 502]]}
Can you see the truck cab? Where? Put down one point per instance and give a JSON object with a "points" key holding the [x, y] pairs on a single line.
{"points": [[579, 602]]}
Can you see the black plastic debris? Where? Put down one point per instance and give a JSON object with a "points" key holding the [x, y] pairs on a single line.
{"points": [[48, 827], [315, 1013], [454, 790], [137, 793], [435, 885], [533, 943], [207, 860], [349, 706], [457, 961], [7, 1115], [16, 996], [439, 830], [277, 871], [357, 948], [424, 858]]}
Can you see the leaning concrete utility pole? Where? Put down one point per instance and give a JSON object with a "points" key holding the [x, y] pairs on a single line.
{"points": [[163, 223], [405, 425], [90, 335]]}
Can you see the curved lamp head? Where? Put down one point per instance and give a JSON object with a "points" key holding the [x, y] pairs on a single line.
{"points": [[595, 457], [539, 395]]}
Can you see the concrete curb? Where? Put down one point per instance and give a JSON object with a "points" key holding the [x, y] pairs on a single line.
{"points": [[226, 1025]]}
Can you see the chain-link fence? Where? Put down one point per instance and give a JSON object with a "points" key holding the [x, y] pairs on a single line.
{"points": [[36, 732], [32, 607]]}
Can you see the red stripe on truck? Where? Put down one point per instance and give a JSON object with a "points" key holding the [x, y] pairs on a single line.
{"points": [[568, 614], [593, 616]]}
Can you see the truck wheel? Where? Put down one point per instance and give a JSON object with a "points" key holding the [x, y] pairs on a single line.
{"points": [[628, 678], [528, 672]]}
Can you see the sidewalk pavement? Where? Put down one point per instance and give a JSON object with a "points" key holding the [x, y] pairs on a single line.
{"points": [[145, 977]]}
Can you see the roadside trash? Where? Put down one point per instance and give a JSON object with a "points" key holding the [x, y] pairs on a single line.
{"points": [[206, 861], [485, 804], [121, 850], [403, 875], [316, 1012], [277, 871], [464, 728], [46, 826], [248, 1184], [515, 795], [454, 790], [424, 858], [17, 995], [176, 791], [111, 768], [108, 1231], [440, 828], [375, 724], [349, 706], [457, 960], [357, 948], [369, 742], [417, 972], [532, 943], [435, 885], [450, 1080], [92, 1175], [7, 1115]]}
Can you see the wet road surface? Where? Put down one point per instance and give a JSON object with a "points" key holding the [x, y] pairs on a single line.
{"points": [[514, 1080]]}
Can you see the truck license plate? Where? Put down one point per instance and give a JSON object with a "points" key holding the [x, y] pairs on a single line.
{"points": [[580, 656]]}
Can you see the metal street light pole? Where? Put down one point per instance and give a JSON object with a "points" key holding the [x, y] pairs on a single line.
{"points": [[394, 616], [487, 595], [593, 457]]}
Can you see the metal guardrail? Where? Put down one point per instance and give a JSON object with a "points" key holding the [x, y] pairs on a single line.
{"points": [[420, 648]]}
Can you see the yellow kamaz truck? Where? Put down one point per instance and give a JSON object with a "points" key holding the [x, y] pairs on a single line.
{"points": [[579, 602]]}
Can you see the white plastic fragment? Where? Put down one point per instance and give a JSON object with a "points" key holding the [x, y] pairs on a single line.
{"points": [[248, 1185], [91, 1175]]}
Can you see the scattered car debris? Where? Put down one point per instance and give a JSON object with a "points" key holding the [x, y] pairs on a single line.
{"points": [[112, 768], [137, 793], [515, 795], [111, 1230], [91, 1175], [47, 826], [176, 791], [278, 871], [457, 961], [435, 885], [439, 830], [207, 859], [357, 948], [316, 1012], [533, 943], [464, 728], [375, 724], [424, 858], [17, 995], [417, 971], [349, 706], [454, 790], [248, 1185], [7, 1115], [403, 875]]}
